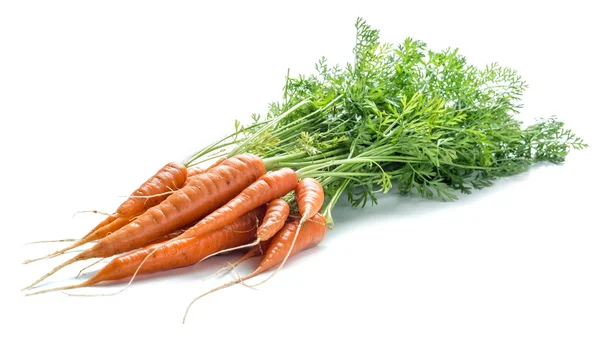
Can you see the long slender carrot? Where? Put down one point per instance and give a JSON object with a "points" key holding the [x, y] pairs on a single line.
{"points": [[282, 243], [268, 187], [159, 240], [200, 197], [170, 177], [98, 234], [277, 213], [180, 253]]}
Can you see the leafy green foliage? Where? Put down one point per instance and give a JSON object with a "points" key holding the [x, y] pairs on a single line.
{"points": [[425, 120]]}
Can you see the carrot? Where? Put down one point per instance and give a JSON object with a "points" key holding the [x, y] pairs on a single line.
{"points": [[283, 243], [268, 187], [164, 238], [98, 234], [175, 254], [195, 170], [309, 196], [192, 171], [201, 196], [170, 177], [278, 211], [276, 215]]}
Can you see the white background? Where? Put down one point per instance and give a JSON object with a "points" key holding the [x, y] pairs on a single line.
{"points": [[95, 96]]}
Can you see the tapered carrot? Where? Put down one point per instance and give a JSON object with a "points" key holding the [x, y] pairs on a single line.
{"points": [[276, 215], [170, 177], [98, 234], [200, 197], [309, 235], [159, 240], [268, 187], [180, 253], [309, 197]]}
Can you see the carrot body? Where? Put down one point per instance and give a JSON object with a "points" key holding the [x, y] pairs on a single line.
{"points": [[200, 197], [275, 217], [203, 195], [172, 176], [311, 233], [310, 196], [174, 254], [282, 244], [216, 163], [270, 186], [183, 252], [192, 172]]}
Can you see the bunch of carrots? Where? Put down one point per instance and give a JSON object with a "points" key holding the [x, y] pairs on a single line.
{"points": [[181, 216], [425, 121]]}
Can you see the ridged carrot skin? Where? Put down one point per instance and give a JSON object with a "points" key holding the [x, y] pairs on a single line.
{"points": [[201, 196], [170, 177], [277, 213], [204, 194], [195, 170], [310, 196], [174, 254], [268, 187], [311, 233], [181, 253]]}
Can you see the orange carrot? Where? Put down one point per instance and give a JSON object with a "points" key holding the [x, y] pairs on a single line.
{"points": [[270, 186], [170, 177], [278, 211], [200, 197], [98, 234], [162, 239], [276, 215], [309, 196], [195, 170], [180, 253], [310, 235]]}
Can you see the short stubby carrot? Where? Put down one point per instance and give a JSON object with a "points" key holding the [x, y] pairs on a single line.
{"points": [[277, 213], [200, 197], [311, 233], [175, 254], [309, 196]]}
